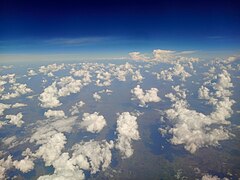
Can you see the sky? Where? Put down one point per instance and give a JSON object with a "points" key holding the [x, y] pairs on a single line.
{"points": [[115, 28]]}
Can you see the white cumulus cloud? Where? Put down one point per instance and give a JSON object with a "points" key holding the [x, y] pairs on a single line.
{"points": [[25, 165], [18, 90], [127, 131], [75, 108], [96, 96], [15, 119], [55, 114], [138, 56], [145, 97], [3, 107], [49, 97], [93, 122], [194, 129], [178, 71]]}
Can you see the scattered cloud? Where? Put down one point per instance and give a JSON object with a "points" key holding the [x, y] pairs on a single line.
{"points": [[93, 123], [15, 119], [96, 96], [49, 97], [98, 154], [49, 69], [69, 85], [19, 105], [31, 72], [127, 131], [3, 107], [5, 165], [195, 129], [92, 156], [138, 56], [137, 76], [177, 70], [145, 97], [164, 56], [55, 114], [210, 177], [48, 138], [18, 90], [52, 149], [75, 108], [25, 165]]}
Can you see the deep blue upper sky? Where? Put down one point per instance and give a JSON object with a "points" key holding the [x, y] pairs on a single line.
{"points": [[42, 26]]}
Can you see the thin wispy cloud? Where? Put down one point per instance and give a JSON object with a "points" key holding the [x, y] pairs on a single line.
{"points": [[186, 52], [76, 41]]}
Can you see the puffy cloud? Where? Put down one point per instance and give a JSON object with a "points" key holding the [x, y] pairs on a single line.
{"points": [[18, 105], [50, 68], [15, 119], [18, 90], [127, 130], [120, 72], [21, 88], [93, 122], [2, 123], [98, 154], [49, 135], [137, 76], [54, 114], [195, 129], [64, 173], [138, 56], [231, 59], [1, 88], [6, 67], [3, 107], [177, 70], [2, 83], [122, 75], [75, 109], [69, 85], [84, 73], [92, 155], [52, 149], [103, 83], [164, 56], [5, 165], [96, 96], [32, 73], [108, 91], [169, 56], [193, 134], [103, 78], [10, 78], [203, 93], [210, 177], [49, 97], [25, 165], [47, 128], [222, 84], [145, 97], [9, 96]]}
